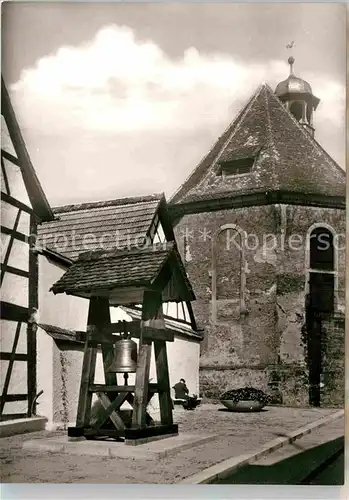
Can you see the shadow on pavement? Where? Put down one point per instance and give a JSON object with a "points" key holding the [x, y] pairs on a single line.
{"points": [[323, 464], [246, 412]]}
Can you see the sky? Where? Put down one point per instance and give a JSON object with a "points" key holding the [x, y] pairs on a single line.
{"points": [[124, 99]]}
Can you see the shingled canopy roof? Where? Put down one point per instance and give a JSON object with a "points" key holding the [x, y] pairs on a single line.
{"points": [[108, 270], [286, 157], [103, 225]]}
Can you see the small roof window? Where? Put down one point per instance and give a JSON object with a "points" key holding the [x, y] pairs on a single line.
{"points": [[238, 162], [237, 167]]}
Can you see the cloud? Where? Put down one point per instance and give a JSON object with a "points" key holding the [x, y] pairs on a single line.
{"points": [[119, 86], [118, 83]]}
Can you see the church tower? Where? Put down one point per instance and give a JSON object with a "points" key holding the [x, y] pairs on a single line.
{"points": [[298, 97], [272, 311]]}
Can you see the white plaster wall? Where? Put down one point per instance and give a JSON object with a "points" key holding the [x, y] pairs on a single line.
{"points": [[16, 183], [8, 217], [18, 379], [14, 289], [67, 367], [59, 371], [19, 256], [45, 375], [183, 361], [64, 311], [7, 336], [58, 375]]}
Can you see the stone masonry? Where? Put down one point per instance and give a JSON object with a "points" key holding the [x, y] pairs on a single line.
{"points": [[255, 338]]}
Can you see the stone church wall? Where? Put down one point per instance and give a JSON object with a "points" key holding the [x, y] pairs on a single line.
{"points": [[252, 303], [333, 333]]}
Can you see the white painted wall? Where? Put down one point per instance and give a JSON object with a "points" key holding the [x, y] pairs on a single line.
{"points": [[8, 217], [58, 375], [18, 380], [16, 183], [14, 288], [64, 311], [183, 362]]}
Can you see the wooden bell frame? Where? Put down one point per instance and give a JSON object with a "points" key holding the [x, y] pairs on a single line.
{"points": [[150, 330]]}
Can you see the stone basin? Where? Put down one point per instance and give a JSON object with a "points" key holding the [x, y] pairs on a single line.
{"points": [[243, 405]]}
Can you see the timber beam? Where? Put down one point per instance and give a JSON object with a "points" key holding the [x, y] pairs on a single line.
{"points": [[104, 335], [119, 388]]}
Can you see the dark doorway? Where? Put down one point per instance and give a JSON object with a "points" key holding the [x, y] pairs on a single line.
{"points": [[319, 304]]}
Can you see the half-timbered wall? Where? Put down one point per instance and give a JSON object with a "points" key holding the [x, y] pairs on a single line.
{"points": [[23, 205], [18, 288]]}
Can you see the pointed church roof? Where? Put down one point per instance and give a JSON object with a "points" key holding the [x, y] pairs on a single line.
{"points": [[286, 157]]}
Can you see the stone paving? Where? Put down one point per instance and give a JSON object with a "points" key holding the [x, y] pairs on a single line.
{"points": [[237, 434]]}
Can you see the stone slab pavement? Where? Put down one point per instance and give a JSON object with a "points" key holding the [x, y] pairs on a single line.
{"points": [[236, 434], [294, 462], [156, 449]]}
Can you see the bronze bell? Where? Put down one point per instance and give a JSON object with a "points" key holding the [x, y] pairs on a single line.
{"points": [[125, 357]]}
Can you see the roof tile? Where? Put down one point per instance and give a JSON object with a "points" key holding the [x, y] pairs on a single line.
{"points": [[105, 270], [288, 158], [101, 225]]}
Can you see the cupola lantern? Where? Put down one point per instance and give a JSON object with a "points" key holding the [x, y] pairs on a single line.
{"points": [[298, 97]]}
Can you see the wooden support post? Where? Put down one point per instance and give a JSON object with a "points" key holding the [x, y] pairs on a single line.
{"points": [[163, 382], [152, 317], [139, 415], [33, 302], [162, 374], [101, 319], [87, 378], [96, 318], [151, 303]]}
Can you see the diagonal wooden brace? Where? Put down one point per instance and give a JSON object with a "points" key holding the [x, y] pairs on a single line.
{"points": [[130, 399], [110, 410]]}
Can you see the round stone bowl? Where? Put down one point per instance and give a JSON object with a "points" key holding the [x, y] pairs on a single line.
{"points": [[243, 405]]}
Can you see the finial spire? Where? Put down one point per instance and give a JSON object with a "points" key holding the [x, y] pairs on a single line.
{"points": [[291, 62], [291, 58]]}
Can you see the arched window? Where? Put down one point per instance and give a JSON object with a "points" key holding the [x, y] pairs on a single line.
{"points": [[309, 113], [322, 268], [296, 109], [321, 290], [321, 249], [228, 274]]}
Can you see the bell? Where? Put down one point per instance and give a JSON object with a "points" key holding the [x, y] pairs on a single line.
{"points": [[125, 357]]}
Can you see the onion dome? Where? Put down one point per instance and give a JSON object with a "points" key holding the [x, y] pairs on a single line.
{"points": [[298, 97], [293, 84]]}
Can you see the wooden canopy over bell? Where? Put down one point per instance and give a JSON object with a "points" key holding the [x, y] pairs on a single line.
{"points": [[124, 275], [126, 278]]}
